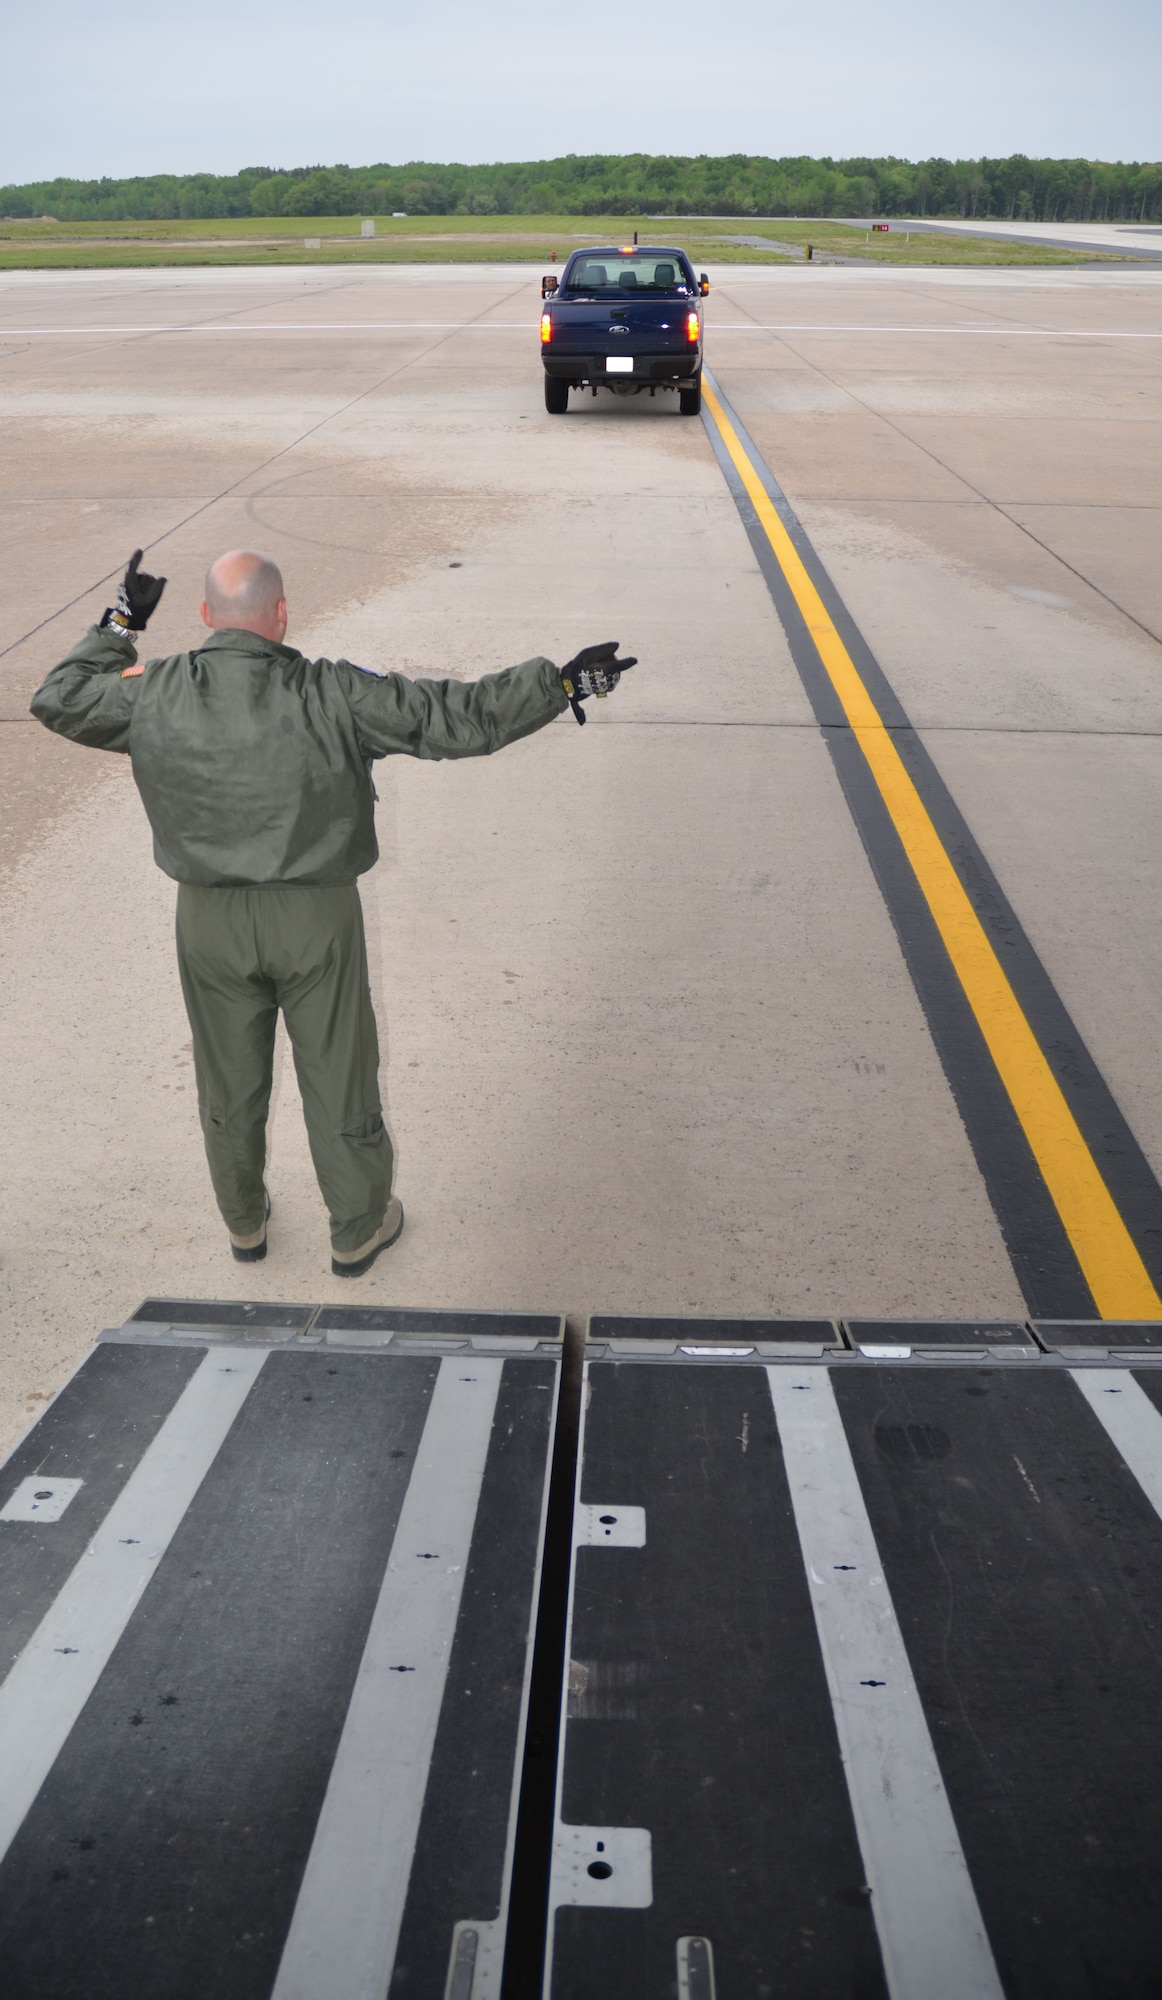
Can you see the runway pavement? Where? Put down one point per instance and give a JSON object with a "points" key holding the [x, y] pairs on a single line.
{"points": [[1125, 239], [651, 1042]]}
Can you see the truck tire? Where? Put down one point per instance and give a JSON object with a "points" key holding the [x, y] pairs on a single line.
{"points": [[690, 400], [556, 396]]}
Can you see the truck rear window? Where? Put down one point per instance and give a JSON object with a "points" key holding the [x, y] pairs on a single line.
{"points": [[648, 273]]}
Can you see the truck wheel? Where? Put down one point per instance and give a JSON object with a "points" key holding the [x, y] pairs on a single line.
{"points": [[690, 400], [556, 396]]}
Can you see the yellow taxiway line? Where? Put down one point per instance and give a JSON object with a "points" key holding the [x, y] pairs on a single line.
{"points": [[1102, 1244]]}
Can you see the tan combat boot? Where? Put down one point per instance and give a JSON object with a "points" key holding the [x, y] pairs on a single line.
{"points": [[353, 1263], [251, 1249]]}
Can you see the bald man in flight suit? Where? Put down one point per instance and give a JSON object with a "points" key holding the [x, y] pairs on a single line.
{"points": [[254, 768]]}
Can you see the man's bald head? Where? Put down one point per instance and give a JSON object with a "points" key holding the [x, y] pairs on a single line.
{"points": [[244, 593]]}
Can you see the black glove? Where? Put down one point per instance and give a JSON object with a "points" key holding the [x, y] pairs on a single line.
{"points": [[594, 670], [137, 599]]}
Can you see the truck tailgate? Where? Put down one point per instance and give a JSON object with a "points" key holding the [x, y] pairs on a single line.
{"points": [[625, 326]]}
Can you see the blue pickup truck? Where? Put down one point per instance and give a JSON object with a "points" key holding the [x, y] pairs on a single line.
{"points": [[625, 320]]}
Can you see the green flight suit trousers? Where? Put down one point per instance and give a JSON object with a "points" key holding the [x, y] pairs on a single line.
{"points": [[244, 954]]}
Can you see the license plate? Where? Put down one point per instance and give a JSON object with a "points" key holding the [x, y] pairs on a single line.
{"points": [[619, 364]]}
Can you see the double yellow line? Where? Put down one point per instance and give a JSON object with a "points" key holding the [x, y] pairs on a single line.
{"points": [[1114, 1271]]}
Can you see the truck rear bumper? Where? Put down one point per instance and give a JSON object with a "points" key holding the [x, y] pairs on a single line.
{"points": [[590, 368]]}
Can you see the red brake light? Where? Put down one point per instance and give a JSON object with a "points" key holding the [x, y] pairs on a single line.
{"points": [[546, 328], [691, 326]]}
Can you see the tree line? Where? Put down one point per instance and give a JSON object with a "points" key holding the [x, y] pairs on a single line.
{"points": [[736, 184]]}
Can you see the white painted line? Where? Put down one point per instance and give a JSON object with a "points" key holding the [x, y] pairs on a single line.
{"points": [[1130, 1419], [970, 332], [930, 1929], [292, 326], [56, 1673], [530, 325], [345, 1929], [600, 1867]]}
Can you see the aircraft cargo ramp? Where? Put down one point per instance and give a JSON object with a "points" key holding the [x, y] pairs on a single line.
{"points": [[847, 1634]]}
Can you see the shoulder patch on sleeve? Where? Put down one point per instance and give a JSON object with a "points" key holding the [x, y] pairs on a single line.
{"points": [[130, 673]]}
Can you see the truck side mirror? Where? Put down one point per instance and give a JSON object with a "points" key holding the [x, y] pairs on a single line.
{"points": [[548, 284], [703, 283]]}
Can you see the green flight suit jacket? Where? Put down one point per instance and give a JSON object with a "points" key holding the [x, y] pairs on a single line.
{"points": [[254, 764]]}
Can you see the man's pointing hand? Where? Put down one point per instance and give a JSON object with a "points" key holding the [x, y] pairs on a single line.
{"points": [[137, 599], [594, 670]]}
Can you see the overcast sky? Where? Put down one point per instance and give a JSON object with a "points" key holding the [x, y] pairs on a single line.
{"points": [[123, 87]]}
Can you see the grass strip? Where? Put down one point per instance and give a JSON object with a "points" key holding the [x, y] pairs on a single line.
{"points": [[41, 245]]}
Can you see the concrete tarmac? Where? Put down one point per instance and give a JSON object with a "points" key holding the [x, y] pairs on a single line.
{"points": [[649, 1041]]}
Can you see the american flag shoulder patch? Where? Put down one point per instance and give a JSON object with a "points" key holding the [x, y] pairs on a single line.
{"points": [[130, 673]]}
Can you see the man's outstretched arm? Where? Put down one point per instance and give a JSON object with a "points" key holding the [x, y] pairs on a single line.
{"points": [[435, 719]]}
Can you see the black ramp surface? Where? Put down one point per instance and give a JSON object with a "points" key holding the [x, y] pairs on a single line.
{"points": [[1120, 1335], [437, 1324], [163, 1855], [1025, 1566], [923, 1334], [97, 1430], [614, 1326], [242, 1313], [700, 1709], [459, 1857]]}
